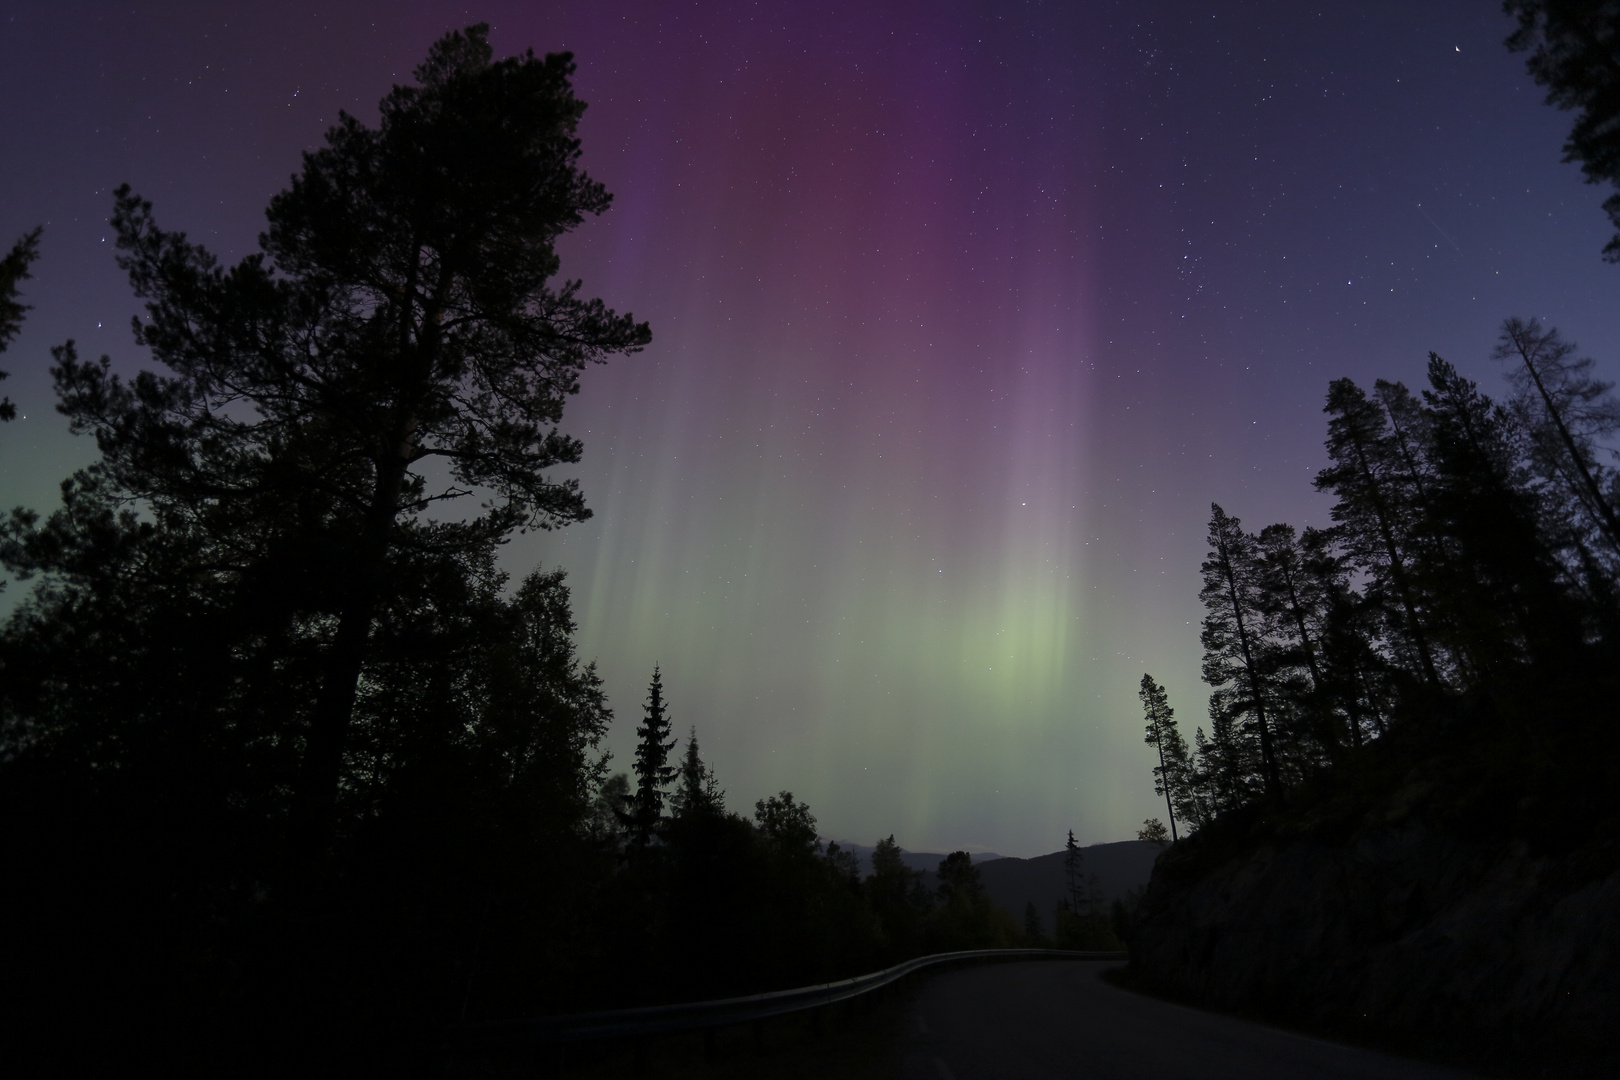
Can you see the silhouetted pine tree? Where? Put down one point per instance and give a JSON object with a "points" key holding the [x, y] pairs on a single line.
{"points": [[1375, 511], [1499, 578], [1234, 659], [1352, 675], [1567, 412], [401, 318], [1170, 776]]}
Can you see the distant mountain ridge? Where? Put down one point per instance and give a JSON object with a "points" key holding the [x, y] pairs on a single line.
{"points": [[1013, 884], [926, 861]]}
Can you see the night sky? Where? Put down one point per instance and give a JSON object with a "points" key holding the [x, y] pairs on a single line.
{"points": [[963, 314]]}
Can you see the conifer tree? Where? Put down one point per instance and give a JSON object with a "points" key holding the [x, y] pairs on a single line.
{"points": [[1575, 43], [1294, 602], [1291, 598], [13, 269], [1407, 469], [1375, 520], [1074, 874], [1232, 638], [1353, 672], [697, 791], [1499, 577], [1169, 776], [1568, 412], [652, 768]]}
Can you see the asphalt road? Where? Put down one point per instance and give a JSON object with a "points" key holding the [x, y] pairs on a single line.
{"points": [[1031, 1021]]}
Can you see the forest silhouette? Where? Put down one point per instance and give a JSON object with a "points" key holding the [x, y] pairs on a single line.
{"points": [[1462, 605], [1462, 613], [292, 775]]}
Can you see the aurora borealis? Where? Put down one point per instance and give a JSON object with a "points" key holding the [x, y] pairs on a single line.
{"points": [[963, 314]]}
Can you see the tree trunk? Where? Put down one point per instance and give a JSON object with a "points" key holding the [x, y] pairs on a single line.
{"points": [[322, 773], [1607, 523], [1267, 754], [1396, 569]]}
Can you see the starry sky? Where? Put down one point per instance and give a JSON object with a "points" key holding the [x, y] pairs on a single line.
{"points": [[963, 314]]}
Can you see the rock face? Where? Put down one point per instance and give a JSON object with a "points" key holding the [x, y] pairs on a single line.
{"points": [[1475, 949]]}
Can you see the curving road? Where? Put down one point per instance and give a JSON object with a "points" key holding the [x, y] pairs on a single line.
{"points": [[1031, 1021]]}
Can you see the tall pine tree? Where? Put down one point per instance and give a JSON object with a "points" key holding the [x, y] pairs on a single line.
{"points": [[1568, 413], [1233, 645], [1170, 777], [1374, 512], [397, 344]]}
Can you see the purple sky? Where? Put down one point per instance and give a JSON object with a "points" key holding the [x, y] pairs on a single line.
{"points": [[963, 314]]}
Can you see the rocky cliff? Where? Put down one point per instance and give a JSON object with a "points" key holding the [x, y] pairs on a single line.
{"points": [[1491, 951]]}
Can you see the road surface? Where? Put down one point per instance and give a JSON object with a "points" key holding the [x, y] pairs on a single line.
{"points": [[1051, 1019]]}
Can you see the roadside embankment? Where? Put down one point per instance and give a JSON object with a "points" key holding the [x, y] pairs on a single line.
{"points": [[1385, 923]]}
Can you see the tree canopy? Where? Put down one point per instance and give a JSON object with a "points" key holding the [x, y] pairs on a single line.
{"points": [[1469, 572], [1572, 46], [396, 348]]}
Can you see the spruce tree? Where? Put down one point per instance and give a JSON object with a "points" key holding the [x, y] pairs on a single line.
{"points": [[652, 768], [1074, 873], [697, 792]]}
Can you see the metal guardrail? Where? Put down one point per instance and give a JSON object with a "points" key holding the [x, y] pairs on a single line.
{"points": [[698, 1015]]}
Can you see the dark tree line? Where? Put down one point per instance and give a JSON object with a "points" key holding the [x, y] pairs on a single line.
{"points": [[707, 902], [1472, 570]]}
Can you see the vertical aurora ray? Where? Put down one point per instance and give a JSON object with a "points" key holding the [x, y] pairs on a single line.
{"points": [[852, 549]]}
